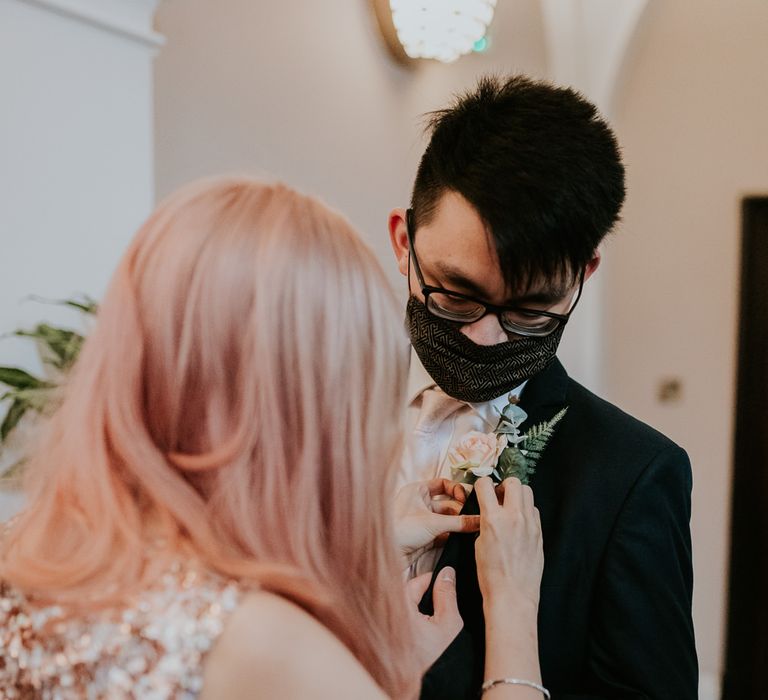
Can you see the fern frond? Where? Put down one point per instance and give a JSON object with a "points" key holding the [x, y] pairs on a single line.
{"points": [[538, 436]]}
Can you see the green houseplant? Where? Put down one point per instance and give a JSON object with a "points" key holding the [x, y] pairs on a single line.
{"points": [[23, 393]]}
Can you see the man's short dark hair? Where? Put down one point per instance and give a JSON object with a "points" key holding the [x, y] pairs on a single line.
{"points": [[539, 165]]}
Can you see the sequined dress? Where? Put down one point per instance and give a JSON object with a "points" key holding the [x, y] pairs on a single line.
{"points": [[152, 648]]}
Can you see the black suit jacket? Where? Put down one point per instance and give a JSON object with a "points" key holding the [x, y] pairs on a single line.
{"points": [[615, 612]]}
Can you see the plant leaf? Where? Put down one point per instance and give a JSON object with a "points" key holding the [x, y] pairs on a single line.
{"points": [[85, 303], [12, 475], [537, 437], [64, 345], [15, 413], [512, 462], [19, 379], [38, 399]]}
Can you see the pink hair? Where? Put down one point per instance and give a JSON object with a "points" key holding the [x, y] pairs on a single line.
{"points": [[239, 398]]}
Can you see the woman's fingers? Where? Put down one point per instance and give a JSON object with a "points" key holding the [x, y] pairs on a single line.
{"points": [[436, 632], [446, 507], [528, 499], [417, 587], [513, 493], [455, 523], [508, 551], [459, 493], [444, 598], [467, 523], [486, 495], [446, 487]]}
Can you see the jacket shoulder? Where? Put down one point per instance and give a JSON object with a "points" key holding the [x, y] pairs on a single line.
{"points": [[600, 419]]}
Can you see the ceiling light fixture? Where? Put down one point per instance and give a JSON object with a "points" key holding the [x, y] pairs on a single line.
{"points": [[437, 29]]}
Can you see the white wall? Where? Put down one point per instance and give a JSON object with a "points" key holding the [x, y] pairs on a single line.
{"points": [[76, 140], [76, 170], [693, 120]]}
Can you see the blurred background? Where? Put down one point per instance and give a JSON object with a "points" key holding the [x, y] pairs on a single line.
{"points": [[108, 105]]}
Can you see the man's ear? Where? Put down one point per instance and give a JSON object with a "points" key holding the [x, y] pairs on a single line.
{"points": [[593, 264], [398, 237]]}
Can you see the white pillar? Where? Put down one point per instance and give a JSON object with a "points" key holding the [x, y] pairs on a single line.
{"points": [[587, 41], [76, 152]]}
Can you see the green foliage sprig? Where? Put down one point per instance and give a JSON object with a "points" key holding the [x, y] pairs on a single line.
{"points": [[58, 349], [505, 452], [522, 456]]}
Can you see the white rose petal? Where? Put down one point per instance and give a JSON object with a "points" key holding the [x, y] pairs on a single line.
{"points": [[482, 471], [477, 452]]}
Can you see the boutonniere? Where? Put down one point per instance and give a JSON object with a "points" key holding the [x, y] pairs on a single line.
{"points": [[506, 451]]}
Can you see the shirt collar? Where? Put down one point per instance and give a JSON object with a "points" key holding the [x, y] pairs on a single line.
{"points": [[419, 380]]}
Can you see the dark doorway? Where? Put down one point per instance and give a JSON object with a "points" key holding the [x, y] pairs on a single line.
{"points": [[746, 667]]}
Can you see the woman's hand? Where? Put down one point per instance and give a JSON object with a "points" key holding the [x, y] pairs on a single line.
{"points": [[435, 633], [426, 511], [509, 551]]}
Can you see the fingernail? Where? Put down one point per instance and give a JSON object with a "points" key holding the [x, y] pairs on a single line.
{"points": [[448, 574]]}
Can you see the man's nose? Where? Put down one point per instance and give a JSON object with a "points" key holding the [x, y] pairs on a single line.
{"points": [[486, 331]]}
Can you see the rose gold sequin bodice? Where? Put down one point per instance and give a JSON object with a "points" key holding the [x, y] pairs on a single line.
{"points": [[152, 648]]}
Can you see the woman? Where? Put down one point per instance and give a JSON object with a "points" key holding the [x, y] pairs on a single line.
{"points": [[209, 514]]}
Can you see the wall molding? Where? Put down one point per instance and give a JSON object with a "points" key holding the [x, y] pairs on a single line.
{"points": [[128, 19]]}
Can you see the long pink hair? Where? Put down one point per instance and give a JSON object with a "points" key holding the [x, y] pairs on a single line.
{"points": [[240, 398]]}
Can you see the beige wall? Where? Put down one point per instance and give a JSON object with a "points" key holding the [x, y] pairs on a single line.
{"points": [[306, 92], [692, 116]]}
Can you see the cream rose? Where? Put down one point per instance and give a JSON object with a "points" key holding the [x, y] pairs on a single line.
{"points": [[477, 452]]}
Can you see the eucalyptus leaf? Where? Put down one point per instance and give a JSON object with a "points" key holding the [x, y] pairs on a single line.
{"points": [[514, 414]]}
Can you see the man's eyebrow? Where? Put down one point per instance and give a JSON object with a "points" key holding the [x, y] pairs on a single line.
{"points": [[458, 281], [544, 296], [454, 277]]}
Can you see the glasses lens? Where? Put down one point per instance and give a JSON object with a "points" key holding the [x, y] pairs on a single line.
{"points": [[454, 308], [527, 323]]}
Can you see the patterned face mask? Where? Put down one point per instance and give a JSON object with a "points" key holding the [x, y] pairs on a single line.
{"points": [[471, 372]]}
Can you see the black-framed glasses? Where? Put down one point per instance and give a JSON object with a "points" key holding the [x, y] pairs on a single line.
{"points": [[463, 309]]}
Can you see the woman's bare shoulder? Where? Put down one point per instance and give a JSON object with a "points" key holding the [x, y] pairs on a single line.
{"points": [[272, 648]]}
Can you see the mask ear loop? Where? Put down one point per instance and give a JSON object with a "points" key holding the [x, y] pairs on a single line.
{"points": [[409, 255], [409, 271]]}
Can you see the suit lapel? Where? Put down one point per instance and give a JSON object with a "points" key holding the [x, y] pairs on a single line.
{"points": [[544, 395]]}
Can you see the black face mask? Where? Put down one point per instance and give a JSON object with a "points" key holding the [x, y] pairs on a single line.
{"points": [[471, 372]]}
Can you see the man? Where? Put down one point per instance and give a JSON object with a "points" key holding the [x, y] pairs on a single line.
{"points": [[519, 184]]}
